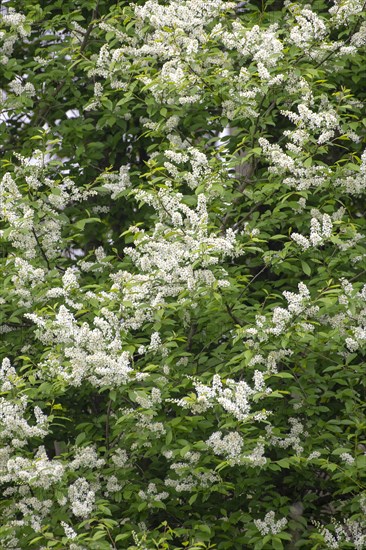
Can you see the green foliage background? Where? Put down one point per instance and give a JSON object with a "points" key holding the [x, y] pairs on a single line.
{"points": [[203, 328]]}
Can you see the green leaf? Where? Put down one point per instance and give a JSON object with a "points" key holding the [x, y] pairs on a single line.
{"points": [[306, 268], [277, 544], [122, 536], [80, 224]]}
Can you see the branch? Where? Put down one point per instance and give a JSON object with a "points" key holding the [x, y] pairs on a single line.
{"points": [[107, 427], [192, 332], [345, 42], [41, 249], [252, 281], [89, 29], [232, 315]]}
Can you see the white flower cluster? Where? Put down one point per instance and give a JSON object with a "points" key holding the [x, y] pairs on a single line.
{"points": [[344, 9], [116, 183], [292, 440], [321, 228], [256, 456], [120, 458], [270, 525], [350, 321], [230, 446], [309, 30], [99, 265], [171, 261], [189, 482], [69, 284], [152, 496], [358, 337], [13, 424], [262, 45], [70, 279], [112, 485], [26, 233], [82, 498], [149, 401], [18, 88], [15, 20], [18, 215], [235, 398], [314, 455], [200, 170], [18, 29], [256, 45], [273, 358], [282, 318], [155, 342], [188, 476], [190, 15], [25, 281], [281, 162], [8, 376], [324, 122], [150, 428], [359, 38], [92, 353], [353, 181], [173, 33], [66, 192], [37, 472], [308, 177], [33, 511], [69, 531], [86, 457], [351, 532], [347, 458]]}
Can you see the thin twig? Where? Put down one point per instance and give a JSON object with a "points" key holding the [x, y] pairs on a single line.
{"points": [[41, 249], [107, 427], [252, 281], [232, 315], [89, 29], [342, 44]]}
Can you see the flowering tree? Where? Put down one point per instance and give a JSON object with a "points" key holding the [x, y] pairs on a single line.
{"points": [[183, 308]]}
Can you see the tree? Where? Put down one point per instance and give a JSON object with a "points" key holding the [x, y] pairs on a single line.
{"points": [[183, 300]]}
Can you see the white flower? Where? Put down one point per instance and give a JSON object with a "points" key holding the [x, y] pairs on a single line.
{"points": [[16, 21], [117, 183], [309, 30], [347, 458], [81, 498], [18, 88], [120, 458], [230, 445], [344, 9], [69, 531], [269, 525], [86, 457]]}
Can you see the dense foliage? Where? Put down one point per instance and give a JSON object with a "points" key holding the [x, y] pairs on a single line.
{"points": [[183, 306]]}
